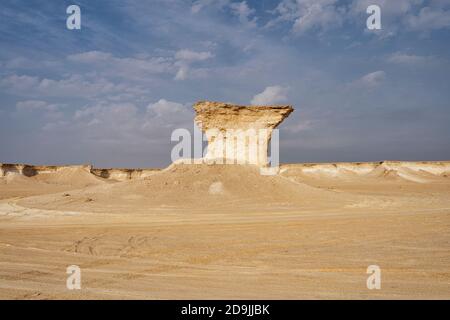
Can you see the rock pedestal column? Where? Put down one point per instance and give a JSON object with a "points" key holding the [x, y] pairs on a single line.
{"points": [[238, 134]]}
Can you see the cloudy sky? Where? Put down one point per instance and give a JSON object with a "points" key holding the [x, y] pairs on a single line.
{"points": [[111, 93]]}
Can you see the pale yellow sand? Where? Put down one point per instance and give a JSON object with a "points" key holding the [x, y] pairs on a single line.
{"points": [[211, 232]]}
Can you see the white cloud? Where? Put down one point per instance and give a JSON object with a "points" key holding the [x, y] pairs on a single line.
{"points": [[239, 9], [172, 112], [50, 111], [307, 15], [244, 13], [17, 82], [86, 86], [270, 95], [392, 15], [90, 56], [129, 67], [163, 107], [389, 8], [122, 121], [404, 58], [440, 3], [36, 105], [401, 15], [108, 122], [185, 58], [182, 73], [199, 5], [370, 80], [26, 63], [429, 19], [190, 56]]}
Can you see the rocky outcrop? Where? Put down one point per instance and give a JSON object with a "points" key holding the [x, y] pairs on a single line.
{"points": [[414, 171], [21, 169], [238, 134], [32, 170], [432, 167], [123, 174], [113, 174]]}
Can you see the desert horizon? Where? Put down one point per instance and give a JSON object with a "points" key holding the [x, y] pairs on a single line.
{"points": [[226, 232]]}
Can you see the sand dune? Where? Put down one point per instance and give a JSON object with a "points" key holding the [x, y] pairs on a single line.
{"points": [[70, 176], [193, 186]]}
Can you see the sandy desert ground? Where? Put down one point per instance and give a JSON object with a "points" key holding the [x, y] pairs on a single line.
{"points": [[226, 232]]}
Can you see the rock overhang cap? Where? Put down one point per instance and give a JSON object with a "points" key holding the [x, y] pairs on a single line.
{"points": [[216, 106], [211, 114]]}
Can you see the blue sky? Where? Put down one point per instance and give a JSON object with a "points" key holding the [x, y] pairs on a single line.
{"points": [[111, 93]]}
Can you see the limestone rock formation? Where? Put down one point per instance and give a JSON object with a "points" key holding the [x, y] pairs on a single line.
{"points": [[28, 170], [238, 134], [123, 174]]}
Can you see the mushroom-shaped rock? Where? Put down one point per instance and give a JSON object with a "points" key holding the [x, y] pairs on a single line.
{"points": [[238, 134]]}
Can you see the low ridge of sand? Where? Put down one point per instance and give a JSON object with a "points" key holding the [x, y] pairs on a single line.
{"points": [[200, 187], [70, 176]]}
